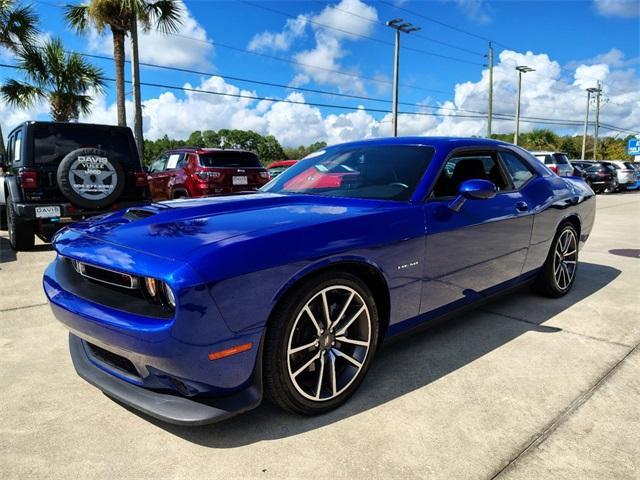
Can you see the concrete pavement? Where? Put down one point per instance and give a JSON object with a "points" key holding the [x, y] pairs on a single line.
{"points": [[526, 387]]}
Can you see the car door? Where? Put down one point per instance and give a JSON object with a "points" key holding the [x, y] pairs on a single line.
{"points": [[171, 173], [157, 178], [481, 246]]}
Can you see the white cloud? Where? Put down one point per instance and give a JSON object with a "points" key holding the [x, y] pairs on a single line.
{"points": [[190, 48], [293, 29], [618, 8], [546, 92], [614, 58], [475, 10], [332, 27]]}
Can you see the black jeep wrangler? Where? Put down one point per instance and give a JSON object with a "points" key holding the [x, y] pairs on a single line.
{"points": [[56, 173]]}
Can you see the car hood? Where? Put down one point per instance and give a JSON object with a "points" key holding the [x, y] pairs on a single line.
{"points": [[174, 229]]}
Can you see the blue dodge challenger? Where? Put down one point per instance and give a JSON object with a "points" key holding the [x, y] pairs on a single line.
{"points": [[192, 310]]}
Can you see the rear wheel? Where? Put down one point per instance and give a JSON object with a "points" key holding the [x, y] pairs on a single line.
{"points": [[559, 270], [3, 217], [320, 344], [21, 232]]}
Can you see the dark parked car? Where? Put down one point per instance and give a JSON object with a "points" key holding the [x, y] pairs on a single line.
{"points": [[201, 172], [56, 173], [190, 310], [602, 177]]}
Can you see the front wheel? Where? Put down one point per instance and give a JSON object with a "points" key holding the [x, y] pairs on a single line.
{"points": [[320, 344], [559, 270]]}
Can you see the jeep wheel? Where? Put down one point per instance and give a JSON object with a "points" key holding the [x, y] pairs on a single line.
{"points": [[90, 179], [3, 217], [21, 232]]}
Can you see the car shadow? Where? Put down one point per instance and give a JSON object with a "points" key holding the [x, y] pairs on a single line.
{"points": [[7, 254], [407, 363]]}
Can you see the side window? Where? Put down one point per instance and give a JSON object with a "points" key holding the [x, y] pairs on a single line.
{"points": [[16, 154], [517, 168], [159, 164], [182, 162], [173, 160], [459, 169], [9, 157]]}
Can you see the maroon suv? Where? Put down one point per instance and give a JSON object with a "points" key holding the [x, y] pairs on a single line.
{"points": [[201, 172]]}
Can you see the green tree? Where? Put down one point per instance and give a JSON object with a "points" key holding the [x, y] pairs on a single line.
{"points": [[118, 16], [50, 73], [18, 27], [270, 150]]}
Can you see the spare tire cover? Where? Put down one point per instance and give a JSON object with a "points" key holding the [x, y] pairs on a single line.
{"points": [[90, 179]]}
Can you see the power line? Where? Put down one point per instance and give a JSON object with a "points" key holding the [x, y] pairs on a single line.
{"points": [[415, 34], [328, 105], [354, 34], [281, 59], [498, 116]]}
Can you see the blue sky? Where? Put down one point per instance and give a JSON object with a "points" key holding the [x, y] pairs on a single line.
{"points": [[572, 44]]}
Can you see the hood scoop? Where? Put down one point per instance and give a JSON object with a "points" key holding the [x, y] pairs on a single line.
{"points": [[138, 214]]}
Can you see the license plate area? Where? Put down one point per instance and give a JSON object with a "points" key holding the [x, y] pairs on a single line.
{"points": [[240, 180], [47, 212]]}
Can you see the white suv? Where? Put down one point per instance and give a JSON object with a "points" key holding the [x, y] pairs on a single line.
{"points": [[557, 162], [627, 176]]}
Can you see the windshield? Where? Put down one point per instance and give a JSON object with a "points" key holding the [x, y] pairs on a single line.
{"points": [[561, 158], [229, 158], [389, 172], [52, 142]]}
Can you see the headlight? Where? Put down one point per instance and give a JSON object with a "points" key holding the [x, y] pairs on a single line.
{"points": [[151, 284], [159, 292], [168, 295]]}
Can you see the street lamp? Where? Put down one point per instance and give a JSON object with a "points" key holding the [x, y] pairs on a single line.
{"points": [[586, 120], [398, 25], [521, 69]]}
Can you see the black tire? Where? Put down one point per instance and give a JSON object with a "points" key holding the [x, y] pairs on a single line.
{"points": [[278, 384], [98, 190], [21, 232], [3, 217], [547, 282]]}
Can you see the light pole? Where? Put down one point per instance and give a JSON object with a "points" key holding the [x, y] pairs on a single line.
{"points": [[586, 122], [521, 69], [596, 128], [398, 25]]}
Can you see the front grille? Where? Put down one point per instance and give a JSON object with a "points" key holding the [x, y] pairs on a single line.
{"points": [[110, 277], [113, 360]]}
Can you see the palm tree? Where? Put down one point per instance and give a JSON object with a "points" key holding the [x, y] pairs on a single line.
{"points": [[119, 16], [18, 26], [52, 74]]}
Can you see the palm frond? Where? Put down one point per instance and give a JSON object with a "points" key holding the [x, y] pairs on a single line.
{"points": [[18, 26], [77, 17], [166, 15], [20, 95]]}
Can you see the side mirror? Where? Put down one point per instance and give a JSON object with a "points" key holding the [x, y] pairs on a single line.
{"points": [[3, 164], [474, 189]]}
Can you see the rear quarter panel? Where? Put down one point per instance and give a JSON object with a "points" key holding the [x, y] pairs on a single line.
{"points": [[556, 200]]}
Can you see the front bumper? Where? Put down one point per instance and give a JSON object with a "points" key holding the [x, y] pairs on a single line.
{"points": [[167, 407]]}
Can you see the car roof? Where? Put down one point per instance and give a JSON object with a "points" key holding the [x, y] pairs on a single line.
{"points": [[207, 150], [544, 152], [426, 141], [282, 163], [96, 125]]}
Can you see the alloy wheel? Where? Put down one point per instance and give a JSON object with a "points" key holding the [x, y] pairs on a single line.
{"points": [[565, 259], [329, 343]]}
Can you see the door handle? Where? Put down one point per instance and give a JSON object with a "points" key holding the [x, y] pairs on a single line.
{"points": [[522, 206]]}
